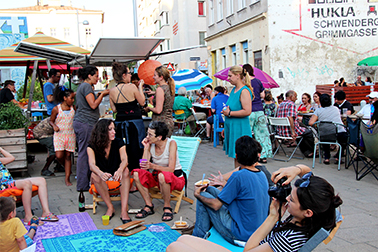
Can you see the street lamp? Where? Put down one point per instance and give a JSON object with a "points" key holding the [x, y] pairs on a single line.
{"points": [[85, 22]]}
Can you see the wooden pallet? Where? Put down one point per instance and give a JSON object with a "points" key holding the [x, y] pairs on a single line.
{"points": [[14, 141], [353, 94]]}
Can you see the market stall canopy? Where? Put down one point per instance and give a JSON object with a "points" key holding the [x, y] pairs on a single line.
{"points": [[371, 61], [8, 57], [108, 50]]}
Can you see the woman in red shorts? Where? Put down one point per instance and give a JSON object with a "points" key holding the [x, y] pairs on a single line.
{"points": [[166, 173]]}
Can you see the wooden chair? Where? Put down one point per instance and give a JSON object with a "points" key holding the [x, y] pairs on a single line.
{"points": [[114, 195], [187, 148]]}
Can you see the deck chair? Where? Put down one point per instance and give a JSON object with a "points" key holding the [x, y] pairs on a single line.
{"points": [[187, 148], [181, 122], [353, 144], [113, 192], [283, 121], [217, 129], [327, 134], [201, 124], [370, 156]]}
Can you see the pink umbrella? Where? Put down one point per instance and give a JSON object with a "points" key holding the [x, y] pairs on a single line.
{"points": [[265, 79]]}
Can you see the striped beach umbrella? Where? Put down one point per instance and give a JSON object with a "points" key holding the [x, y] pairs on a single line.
{"points": [[191, 79]]}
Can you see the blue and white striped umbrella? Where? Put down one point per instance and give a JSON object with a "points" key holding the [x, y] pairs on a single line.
{"points": [[191, 79]]}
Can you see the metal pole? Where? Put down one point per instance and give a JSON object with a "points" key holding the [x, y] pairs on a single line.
{"points": [[135, 18], [69, 75], [78, 30], [32, 84], [26, 78]]}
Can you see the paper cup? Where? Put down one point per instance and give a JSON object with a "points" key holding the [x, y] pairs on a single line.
{"points": [[105, 220]]}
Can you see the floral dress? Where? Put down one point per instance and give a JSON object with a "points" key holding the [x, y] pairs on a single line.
{"points": [[166, 114], [6, 179]]}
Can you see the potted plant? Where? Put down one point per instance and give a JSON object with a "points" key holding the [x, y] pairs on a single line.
{"points": [[13, 125]]}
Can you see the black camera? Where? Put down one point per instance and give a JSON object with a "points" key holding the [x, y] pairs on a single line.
{"points": [[279, 191]]}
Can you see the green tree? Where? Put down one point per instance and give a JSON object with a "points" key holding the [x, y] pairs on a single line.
{"points": [[37, 95]]}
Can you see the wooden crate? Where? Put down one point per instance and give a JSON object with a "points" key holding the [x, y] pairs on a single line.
{"points": [[14, 141]]}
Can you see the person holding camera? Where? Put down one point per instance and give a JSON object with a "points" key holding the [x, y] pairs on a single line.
{"points": [[236, 208], [311, 205]]}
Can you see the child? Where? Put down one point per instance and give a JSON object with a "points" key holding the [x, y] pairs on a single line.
{"points": [[13, 234], [62, 121]]}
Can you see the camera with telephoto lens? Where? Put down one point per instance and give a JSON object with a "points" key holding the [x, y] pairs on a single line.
{"points": [[279, 191]]}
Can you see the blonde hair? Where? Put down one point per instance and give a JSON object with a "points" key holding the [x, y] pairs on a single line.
{"points": [[244, 76], [163, 71]]}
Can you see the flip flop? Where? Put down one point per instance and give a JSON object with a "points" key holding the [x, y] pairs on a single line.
{"points": [[124, 221], [47, 173], [292, 145], [110, 217], [50, 217], [34, 220]]}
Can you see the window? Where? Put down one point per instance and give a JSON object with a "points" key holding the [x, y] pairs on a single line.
{"points": [[241, 4], [224, 58], [202, 38], [88, 31], [230, 7], [201, 8], [220, 9], [161, 47], [211, 7], [66, 33], [164, 18], [258, 59], [245, 52], [167, 44], [214, 61], [233, 51], [157, 25], [53, 32]]}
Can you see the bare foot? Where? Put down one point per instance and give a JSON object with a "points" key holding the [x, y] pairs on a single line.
{"points": [[68, 183]]}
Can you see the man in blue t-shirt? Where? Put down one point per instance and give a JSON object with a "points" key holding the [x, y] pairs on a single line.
{"points": [[217, 104], [48, 89], [242, 205]]}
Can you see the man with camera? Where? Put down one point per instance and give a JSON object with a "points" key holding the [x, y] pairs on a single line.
{"points": [[236, 208]]}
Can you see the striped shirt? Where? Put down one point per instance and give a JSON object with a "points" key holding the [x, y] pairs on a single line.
{"points": [[285, 240]]}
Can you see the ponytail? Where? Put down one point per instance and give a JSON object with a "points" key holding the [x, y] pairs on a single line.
{"points": [[172, 87]]}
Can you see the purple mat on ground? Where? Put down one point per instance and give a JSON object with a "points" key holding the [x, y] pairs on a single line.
{"points": [[68, 224]]}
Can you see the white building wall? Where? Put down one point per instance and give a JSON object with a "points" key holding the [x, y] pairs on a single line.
{"points": [[307, 47]]}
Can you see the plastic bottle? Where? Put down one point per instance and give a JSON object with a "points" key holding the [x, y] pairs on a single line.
{"points": [[81, 201]]}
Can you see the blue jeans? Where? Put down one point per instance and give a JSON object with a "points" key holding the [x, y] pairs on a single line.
{"points": [[207, 217]]}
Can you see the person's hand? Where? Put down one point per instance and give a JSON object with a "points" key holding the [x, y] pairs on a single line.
{"points": [[147, 109], [289, 172], [105, 92], [293, 135], [146, 143], [200, 189], [222, 133], [118, 175], [105, 176], [274, 207], [149, 92], [145, 165], [226, 111], [56, 128], [140, 84], [217, 180]]}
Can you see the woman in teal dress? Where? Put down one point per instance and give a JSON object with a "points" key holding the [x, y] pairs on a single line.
{"points": [[239, 107]]}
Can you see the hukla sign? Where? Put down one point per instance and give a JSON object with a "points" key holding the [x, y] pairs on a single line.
{"points": [[343, 18]]}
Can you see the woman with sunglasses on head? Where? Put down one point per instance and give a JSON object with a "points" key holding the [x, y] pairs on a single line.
{"points": [[311, 206], [125, 100]]}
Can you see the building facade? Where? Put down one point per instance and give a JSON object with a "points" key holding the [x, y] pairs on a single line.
{"points": [[300, 43], [182, 23]]}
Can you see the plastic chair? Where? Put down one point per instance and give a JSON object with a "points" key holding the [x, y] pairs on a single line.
{"points": [[187, 149], [216, 129], [181, 122], [39, 115], [327, 134], [284, 122]]}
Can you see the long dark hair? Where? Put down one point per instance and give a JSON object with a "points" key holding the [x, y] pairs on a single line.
{"points": [[319, 196], [118, 70], [100, 136]]}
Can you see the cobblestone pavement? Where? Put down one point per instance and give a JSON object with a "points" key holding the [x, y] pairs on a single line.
{"points": [[358, 232]]}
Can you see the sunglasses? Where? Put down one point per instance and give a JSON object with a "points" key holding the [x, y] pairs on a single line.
{"points": [[306, 179]]}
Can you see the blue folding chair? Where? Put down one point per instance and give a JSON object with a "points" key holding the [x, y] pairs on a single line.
{"points": [[187, 149], [217, 130]]}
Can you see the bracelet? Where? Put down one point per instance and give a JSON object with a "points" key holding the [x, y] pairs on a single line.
{"points": [[299, 168], [229, 113]]}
